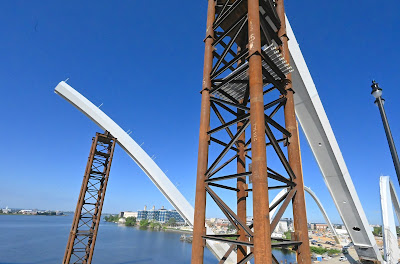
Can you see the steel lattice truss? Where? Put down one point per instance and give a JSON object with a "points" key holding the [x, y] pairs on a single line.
{"points": [[230, 102], [86, 221]]}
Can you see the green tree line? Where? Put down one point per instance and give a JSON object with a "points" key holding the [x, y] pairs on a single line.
{"points": [[321, 250], [111, 218]]}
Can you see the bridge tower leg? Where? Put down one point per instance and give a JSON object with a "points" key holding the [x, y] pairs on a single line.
{"points": [[298, 201], [85, 225], [246, 81]]}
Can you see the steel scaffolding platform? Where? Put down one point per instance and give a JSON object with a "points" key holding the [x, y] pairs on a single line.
{"points": [[87, 216]]}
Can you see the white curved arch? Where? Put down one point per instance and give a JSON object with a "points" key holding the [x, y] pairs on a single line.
{"points": [[389, 200], [321, 208], [147, 164]]}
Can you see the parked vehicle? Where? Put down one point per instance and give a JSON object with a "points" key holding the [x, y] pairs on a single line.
{"points": [[342, 258]]}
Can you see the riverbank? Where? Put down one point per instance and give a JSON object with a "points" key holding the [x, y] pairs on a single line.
{"points": [[178, 230], [33, 214], [165, 229]]}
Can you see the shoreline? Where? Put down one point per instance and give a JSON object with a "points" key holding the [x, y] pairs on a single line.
{"points": [[166, 229], [35, 214], [178, 231]]}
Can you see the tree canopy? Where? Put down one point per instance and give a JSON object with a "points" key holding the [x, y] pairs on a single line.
{"points": [[144, 223], [171, 221], [130, 221], [377, 231], [111, 218]]}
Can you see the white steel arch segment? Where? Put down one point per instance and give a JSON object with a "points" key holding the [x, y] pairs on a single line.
{"points": [[389, 200], [322, 209], [319, 134], [317, 201], [142, 159]]}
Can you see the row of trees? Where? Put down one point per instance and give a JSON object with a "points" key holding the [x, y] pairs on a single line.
{"points": [[131, 221], [321, 250], [111, 218], [377, 231]]}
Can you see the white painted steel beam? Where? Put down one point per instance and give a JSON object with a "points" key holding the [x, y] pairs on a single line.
{"points": [[317, 201], [320, 137], [389, 200], [322, 209], [144, 161]]}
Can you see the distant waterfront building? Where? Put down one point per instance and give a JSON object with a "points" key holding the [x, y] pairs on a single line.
{"points": [[28, 212], [127, 214], [6, 210], [161, 215], [142, 214]]}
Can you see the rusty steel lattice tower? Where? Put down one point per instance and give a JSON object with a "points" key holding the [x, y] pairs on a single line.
{"points": [[247, 83], [86, 220]]}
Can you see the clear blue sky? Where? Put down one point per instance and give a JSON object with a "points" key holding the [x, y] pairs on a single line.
{"points": [[144, 62]]}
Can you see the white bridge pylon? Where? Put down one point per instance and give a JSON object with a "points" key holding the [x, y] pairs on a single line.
{"points": [[389, 200]]}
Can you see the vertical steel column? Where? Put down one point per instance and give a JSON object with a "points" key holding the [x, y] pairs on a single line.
{"points": [[241, 193], [298, 202], [202, 162], [262, 232], [241, 181]]}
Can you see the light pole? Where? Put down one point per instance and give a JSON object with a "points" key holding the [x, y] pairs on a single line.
{"points": [[379, 101]]}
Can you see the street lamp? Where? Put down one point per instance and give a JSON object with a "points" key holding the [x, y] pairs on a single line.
{"points": [[379, 101]]}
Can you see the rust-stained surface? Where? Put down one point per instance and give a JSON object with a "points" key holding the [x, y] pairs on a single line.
{"points": [[241, 182], [85, 225], [262, 232], [294, 155], [200, 201], [242, 64]]}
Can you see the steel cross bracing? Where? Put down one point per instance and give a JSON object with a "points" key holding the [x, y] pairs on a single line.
{"points": [[86, 220], [227, 91]]}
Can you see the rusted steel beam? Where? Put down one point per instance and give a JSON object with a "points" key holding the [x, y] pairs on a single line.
{"points": [[241, 181], [231, 248], [101, 197], [228, 147], [227, 177], [82, 238], [75, 221], [262, 233], [229, 241], [199, 229], [226, 209], [281, 210], [222, 120], [222, 166], [294, 157]]}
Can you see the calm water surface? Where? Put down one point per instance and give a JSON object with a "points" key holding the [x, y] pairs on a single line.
{"points": [[42, 239]]}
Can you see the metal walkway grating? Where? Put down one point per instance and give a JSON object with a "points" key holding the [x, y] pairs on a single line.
{"points": [[236, 86]]}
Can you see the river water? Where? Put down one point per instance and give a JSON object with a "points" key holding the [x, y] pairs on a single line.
{"points": [[42, 239]]}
